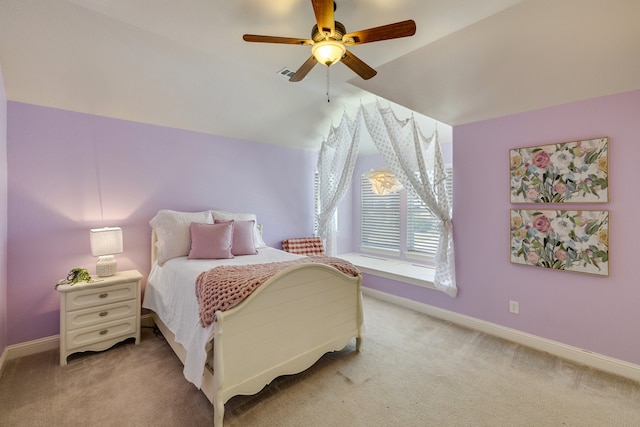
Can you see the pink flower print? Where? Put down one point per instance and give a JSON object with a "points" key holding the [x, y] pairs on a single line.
{"points": [[560, 188], [532, 194], [532, 257], [541, 159], [561, 255], [542, 223]]}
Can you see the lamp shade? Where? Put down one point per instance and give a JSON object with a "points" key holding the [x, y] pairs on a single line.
{"points": [[106, 241]]}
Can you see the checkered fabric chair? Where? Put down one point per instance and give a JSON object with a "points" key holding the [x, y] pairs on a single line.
{"points": [[304, 246]]}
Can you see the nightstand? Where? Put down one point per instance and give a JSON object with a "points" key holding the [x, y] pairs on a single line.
{"points": [[96, 315]]}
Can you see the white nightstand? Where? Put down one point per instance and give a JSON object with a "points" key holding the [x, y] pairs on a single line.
{"points": [[97, 315]]}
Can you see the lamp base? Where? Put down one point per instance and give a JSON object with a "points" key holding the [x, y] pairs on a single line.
{"points": [[106, 266]]}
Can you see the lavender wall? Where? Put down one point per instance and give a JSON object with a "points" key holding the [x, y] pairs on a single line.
{"points": [[596, 313], [3, 216], [69, 172]]}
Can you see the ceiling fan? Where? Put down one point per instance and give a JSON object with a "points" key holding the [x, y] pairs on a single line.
{"points": [[329, 41]]}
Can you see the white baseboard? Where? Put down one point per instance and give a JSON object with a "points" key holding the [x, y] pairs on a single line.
{"points": [[3, 359], [575, 354], [32, 347], [45, 344], [147, 321]]}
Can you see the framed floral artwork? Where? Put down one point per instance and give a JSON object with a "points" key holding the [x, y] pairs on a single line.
{"points": [[561, 240], [569, 172]]}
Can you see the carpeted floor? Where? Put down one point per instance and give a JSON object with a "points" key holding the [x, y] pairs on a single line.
{"points": [[414, 370]]}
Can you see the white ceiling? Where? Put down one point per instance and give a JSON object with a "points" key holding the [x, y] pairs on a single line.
{"points": [[183, 63]]}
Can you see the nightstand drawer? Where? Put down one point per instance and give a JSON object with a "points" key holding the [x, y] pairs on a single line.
{"points": [[85, 337], [104, 313], [92, 297]]}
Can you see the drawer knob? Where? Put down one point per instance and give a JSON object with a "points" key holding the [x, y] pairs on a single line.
{"points": [[103, 295], [103, 313], [103, 332]]}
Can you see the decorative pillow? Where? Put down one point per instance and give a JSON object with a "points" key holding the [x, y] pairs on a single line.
{"points": [[172, 231], [211, 241], [304, 246], [258, 236], [257, 231], [243, 239]]}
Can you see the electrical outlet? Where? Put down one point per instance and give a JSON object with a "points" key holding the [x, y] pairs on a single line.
{"points": [[514, 307]]}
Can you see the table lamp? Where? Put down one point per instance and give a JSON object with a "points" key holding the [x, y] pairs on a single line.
{"points": [[105, 242]]}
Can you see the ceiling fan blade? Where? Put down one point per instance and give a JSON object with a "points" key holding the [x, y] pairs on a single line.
{"points": [[304, 69], [358, 66], [384, 32], [273, 39], [323, 10]]}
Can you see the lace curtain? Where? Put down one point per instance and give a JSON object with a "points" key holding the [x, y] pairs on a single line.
{"points": [[418, 165], [336, 161], [415, 160]]}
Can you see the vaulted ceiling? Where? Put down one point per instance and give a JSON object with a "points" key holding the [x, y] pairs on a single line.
{"points": [[184, 64]]}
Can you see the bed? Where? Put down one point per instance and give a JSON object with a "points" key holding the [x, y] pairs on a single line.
{"points": [[282, 328]]}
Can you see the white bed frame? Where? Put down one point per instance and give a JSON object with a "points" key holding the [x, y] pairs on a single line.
{"points": [[283, 328]]}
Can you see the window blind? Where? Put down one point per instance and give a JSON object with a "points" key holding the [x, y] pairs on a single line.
{"points": [[380, 218], [422, 225]]}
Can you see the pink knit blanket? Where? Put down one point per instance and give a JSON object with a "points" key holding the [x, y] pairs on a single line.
{"points": [[222, 288]]}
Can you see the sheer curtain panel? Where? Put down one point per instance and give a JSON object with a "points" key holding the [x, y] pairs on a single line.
{"points": [[336, 162], [417, 162]]}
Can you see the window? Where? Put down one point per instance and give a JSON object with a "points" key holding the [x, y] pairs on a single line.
{"points": [[380, 219], [422, 225], [383, 217]]}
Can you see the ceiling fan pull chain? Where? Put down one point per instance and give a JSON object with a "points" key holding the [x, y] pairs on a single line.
{"points": [[328, 99]]}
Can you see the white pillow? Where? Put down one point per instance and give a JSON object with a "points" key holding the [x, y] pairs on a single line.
{"points": [[257, 229], [172, 231], [258, 237]]}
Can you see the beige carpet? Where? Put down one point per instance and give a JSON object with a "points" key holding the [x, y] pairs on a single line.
{"points": [[413, 371]]}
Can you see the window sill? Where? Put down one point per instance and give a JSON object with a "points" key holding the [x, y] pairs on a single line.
{"points": [[402, 271]]}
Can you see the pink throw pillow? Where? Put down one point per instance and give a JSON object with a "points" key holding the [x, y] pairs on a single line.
{"points": [[211, 241], [243, 242]]}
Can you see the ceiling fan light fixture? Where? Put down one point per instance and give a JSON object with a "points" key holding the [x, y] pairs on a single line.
{"points": [[329, 41], [328, 52]]}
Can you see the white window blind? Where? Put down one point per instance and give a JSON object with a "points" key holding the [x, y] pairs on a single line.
{"points": [[422, 225], [380, 218]]}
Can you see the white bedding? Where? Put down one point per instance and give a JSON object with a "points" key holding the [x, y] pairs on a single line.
{"points": [[171, 294]]}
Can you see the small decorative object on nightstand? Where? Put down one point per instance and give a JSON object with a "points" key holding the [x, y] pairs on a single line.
{"points": [[96, 315]]}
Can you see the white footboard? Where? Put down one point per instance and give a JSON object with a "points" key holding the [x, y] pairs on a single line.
{"points": [[290, 322]]}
